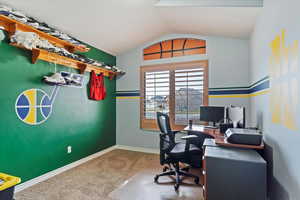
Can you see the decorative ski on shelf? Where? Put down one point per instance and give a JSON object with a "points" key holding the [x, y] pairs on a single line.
{"points": [[11, 26], [46, 46]]}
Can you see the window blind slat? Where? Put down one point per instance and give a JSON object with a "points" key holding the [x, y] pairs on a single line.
{"points": [[189, 76], [189, 81], [178, 72]]}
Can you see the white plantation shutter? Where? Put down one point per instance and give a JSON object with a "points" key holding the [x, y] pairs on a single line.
{"points": [[176, 89], [189, 90], [157, 91]]}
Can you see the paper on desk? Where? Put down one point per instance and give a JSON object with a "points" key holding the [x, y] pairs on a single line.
{"points": [[195, 128]]}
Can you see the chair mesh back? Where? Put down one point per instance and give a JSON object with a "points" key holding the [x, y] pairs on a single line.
{"points": [[162, 121], [167, 138]]}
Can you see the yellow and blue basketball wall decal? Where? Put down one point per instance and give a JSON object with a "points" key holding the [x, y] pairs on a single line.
{"points": [[34, 106], [284, 81]]}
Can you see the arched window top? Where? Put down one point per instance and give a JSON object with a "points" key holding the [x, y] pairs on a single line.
{"points": [[174, 48]]}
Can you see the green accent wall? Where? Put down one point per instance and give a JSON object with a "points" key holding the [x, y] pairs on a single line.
{"points": [[88, 126]]}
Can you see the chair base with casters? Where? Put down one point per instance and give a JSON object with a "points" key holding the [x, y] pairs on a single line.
{"points": [[179, 155], [175, 170]]}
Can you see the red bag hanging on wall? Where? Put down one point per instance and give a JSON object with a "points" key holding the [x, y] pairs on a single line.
{"points": [[97, 87]]}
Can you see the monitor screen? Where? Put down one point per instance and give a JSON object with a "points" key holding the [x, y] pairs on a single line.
{"points": [[212, 113]]}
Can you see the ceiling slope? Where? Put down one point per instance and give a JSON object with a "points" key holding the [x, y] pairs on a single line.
{"points": [[116, 26]]}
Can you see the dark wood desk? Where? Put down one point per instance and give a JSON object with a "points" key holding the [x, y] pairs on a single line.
{"points": [[219, 137]]}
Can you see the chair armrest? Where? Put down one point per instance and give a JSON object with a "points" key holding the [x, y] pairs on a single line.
{"points": [[187, 137], [175, 132]]}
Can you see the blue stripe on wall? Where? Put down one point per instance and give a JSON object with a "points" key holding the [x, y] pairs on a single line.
{"points": [[256, 87], [262, 86], [222, 92], [134, 94]]}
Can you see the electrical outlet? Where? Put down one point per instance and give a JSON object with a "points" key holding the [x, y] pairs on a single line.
{"points": [[69, 149]]}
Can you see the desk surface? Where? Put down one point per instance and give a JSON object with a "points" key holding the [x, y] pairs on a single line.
{"points": [[208, 131], [219, 137]]}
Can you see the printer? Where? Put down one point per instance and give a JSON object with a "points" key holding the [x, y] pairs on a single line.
{"points": [[243, 136]]}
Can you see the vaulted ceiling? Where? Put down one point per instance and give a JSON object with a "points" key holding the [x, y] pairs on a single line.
{"points": [[119, 25]]}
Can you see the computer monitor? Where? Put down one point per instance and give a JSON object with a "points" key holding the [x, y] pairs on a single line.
{"points": [[213, 114]]}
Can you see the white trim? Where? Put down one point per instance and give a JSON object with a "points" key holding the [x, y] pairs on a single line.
{"points": [[139, 149], [61, 170]]}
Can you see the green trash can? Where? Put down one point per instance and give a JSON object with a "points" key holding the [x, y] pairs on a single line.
{"points": [[7, 186]]}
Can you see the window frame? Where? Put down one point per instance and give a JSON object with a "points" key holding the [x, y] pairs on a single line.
{"points": [[161, 51], [151, 124]]}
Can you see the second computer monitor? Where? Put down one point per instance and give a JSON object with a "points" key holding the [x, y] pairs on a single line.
{"points": [[213, 114]]}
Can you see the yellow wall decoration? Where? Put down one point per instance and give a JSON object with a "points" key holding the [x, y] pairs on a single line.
{"points": [[283, 70]]}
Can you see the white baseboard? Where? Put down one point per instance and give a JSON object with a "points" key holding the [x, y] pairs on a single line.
{"points": [[139, 149], [61, 170], [50, 174]]}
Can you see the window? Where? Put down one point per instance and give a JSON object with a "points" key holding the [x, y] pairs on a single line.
{"points": [[157, 91], [175, 48], [176, 89]]}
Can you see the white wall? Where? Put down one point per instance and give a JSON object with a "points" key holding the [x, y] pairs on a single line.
{"points": [[282, 150], [228, 67]]}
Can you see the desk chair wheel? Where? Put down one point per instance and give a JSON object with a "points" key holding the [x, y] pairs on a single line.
{"points": [[166, 169], [197, 181], [176, 186], [156, 178]]}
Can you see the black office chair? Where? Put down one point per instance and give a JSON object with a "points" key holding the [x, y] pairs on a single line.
{"points": [[171, 153]]}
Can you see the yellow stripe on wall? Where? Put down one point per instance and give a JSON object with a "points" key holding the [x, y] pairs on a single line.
{"points": [[230, 96], [220, 96], [260, 93], [240, 95]]}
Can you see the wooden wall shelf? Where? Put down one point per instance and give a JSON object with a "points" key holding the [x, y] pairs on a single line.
{"points": [[11, 26], [40, 54]]}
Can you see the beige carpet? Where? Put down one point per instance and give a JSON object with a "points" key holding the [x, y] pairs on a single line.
{"points": [[117, 175]]}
